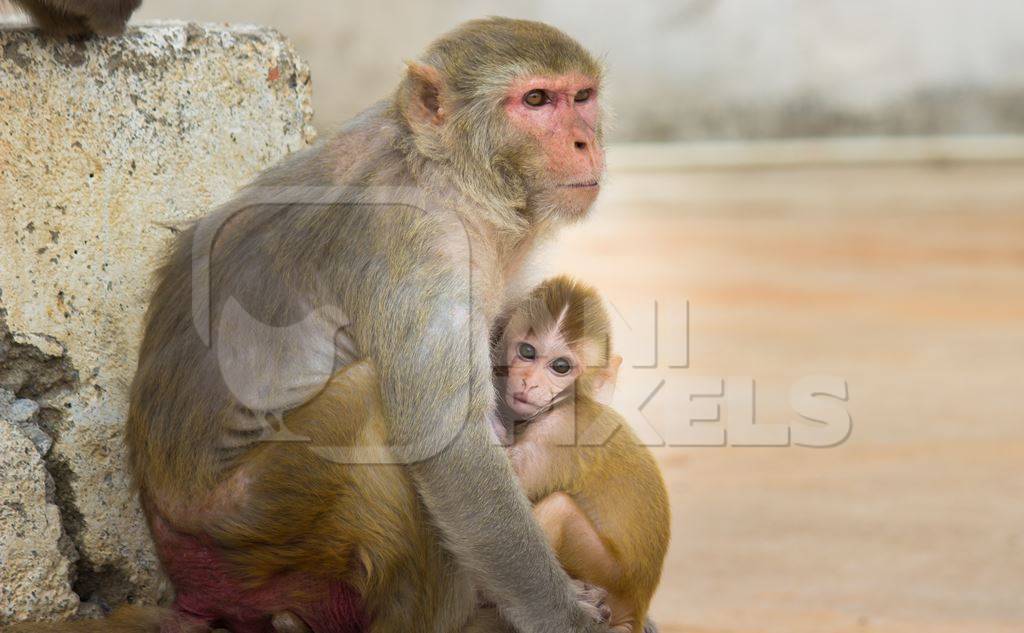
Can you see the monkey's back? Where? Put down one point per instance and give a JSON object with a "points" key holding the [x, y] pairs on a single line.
{"points": [[272, 250]]}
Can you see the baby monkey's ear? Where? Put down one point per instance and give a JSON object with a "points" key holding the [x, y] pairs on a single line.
{"points": [[605, 379]]}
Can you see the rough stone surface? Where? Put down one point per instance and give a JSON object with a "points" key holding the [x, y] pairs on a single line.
{"points": [[22, 413], [33, 568], [107, 147]]}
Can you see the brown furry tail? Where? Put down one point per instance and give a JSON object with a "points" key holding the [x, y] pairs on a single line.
{"points": [[127, 619]]}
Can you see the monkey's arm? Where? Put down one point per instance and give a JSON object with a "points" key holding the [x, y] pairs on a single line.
{"points": [[431, 351]]}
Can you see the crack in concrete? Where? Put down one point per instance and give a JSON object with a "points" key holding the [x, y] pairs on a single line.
{"points": [[34, 380]]}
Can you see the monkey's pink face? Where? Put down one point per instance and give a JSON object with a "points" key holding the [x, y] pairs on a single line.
{"points": [[562, 114], [540, 369]]}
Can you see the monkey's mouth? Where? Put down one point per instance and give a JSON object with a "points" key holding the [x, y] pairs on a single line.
{"points": [[580, 185], [521, 399]]}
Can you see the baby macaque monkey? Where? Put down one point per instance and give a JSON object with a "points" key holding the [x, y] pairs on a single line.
{"points": [[597, 493]]}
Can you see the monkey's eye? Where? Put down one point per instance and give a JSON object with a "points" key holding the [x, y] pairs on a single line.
{"points": [[561, 366], [583, 95], [536, 98], [527, 351]]}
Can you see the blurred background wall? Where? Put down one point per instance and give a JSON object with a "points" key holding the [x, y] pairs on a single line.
{"points": [[698, 69]]}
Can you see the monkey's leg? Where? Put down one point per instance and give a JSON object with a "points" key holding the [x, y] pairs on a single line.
{"points": [[407, 580], [358, 523], [367, 531], [584, 555]]}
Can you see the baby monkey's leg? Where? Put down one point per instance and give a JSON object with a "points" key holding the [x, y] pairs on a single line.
{"points": [[575, 541], [582, 553]]}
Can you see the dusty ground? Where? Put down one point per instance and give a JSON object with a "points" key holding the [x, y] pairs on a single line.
{"points": [[907, 282]]}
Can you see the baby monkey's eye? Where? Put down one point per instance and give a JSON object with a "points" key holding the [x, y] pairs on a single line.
{"points": [[527, 351], [536, 98], [561, 366], [583, 95]]}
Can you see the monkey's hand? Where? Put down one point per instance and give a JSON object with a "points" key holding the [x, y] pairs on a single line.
{"points": [[591, 599]]}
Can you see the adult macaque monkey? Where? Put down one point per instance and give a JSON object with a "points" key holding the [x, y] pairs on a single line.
{"points": [[79, 17], [353, 288], [597, 491]]}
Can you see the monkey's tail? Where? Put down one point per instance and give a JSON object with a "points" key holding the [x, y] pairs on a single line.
{"points": [[127, 619]]}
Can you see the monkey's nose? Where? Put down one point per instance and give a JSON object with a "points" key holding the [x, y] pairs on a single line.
{"points": [[581, 145]]}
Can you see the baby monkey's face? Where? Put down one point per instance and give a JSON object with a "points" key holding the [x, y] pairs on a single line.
{"points": [[540, 367]]}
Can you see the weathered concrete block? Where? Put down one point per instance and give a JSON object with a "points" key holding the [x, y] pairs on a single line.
{"points": [[106, 148], [34, 567]]}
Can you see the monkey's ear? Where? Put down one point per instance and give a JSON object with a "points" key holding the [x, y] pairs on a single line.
{"points": [[607, 377], [423, 96], [613, 366]]}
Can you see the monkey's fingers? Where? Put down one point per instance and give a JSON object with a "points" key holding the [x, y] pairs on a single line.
{"points": [[592, 600]]}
